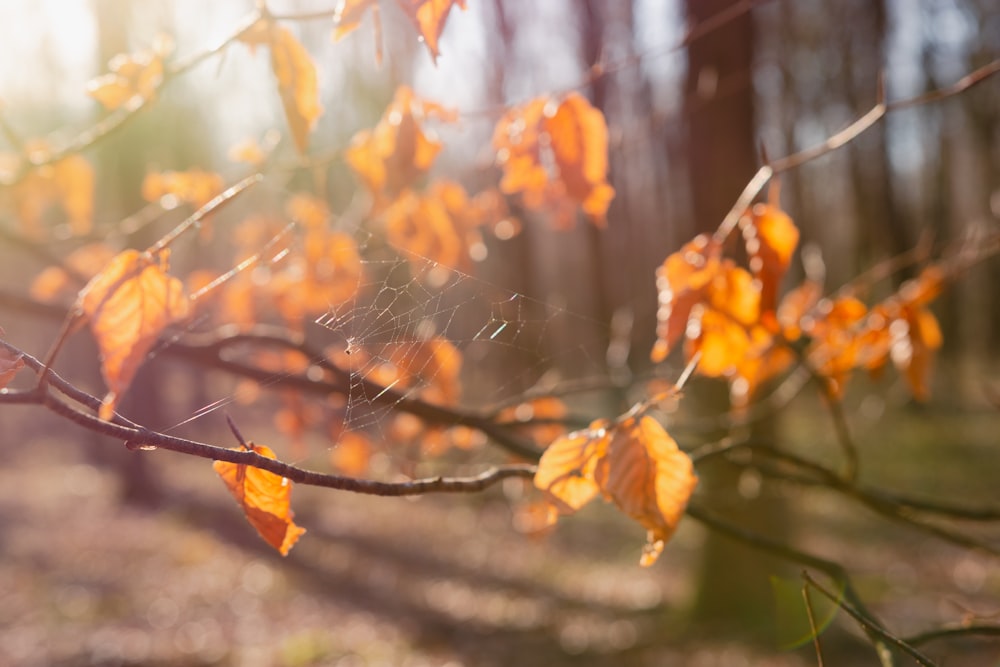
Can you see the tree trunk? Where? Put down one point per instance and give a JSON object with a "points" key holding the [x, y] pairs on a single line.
{"points": [[734, 591]]}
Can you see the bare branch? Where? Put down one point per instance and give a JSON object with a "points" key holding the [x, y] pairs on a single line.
{"points": [[140, 437], [870, 625]]}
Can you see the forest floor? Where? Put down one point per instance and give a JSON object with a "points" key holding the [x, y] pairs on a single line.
{"points": [[88, 580]]}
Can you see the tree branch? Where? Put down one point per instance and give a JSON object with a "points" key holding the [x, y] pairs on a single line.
{"points": [[137, 437]]}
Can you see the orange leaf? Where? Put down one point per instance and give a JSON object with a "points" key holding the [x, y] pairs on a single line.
{"points": [[764, 360], [429, 16], [734, 293], [326, 274], [794, 307], [924, 288], [440, 225], [681, 282], [133, 78], [265, 499], [348, 14], [903, 329], [835, 349], [296, 75], [393, 155], [916, 354], [649, 478], [566, 469], [579, 142], [770, 237], [129, 304], [722, 342], [553, 154]]}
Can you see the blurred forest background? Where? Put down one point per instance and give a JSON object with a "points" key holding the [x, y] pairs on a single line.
{"points": [[688, 122]]}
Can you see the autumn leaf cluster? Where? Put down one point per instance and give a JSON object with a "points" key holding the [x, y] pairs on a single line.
{"points": [[722, 296]]}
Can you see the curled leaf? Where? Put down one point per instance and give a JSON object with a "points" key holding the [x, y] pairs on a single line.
{"points": [[771, 238], [634, 463], [680, 283], [566, 469], [649, 478], [428, 17], [265, 499], [554, 153], [392, 156], [295, 72], [128, 305]]}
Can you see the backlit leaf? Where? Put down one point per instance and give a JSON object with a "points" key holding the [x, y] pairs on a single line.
{"points": [[428, 17], [771, 238], [133, 78], [348, 14], [393, 155], [681, 282], [722, 342], [901, 328], [566, 469], [325, 274], [265, 499], [835, 349], [128, 305], [440, 225], [649, 478], [794, 307], [554, 153], [296, 76]]}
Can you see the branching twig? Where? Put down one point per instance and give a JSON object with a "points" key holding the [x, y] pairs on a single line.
{"points": [[788, 553], [869, 624], [213, 205], [139, 437], [844, 137], [118, 118]]}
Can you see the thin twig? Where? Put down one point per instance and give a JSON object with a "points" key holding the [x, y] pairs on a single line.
{"points": [[786, 552], [954, 632], [213, 205], [139, 437], [869, 624], [118, 118], [844, 137], [812, 625]]}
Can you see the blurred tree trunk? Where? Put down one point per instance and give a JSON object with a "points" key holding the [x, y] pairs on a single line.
{"points": [[734, 592], [119, 187]]}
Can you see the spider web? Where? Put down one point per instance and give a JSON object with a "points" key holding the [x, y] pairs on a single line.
{"points": [[502, 346], [509, 344]]}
